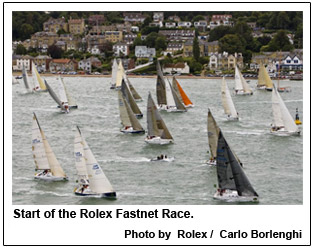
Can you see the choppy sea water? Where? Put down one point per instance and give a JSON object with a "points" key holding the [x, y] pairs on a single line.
{"points": [[274, 165]]}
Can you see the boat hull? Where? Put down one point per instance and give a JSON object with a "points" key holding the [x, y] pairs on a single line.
{"points": [[109, 195], [131, 130], [232, 196], [50, 178], [139, 116], [158, 141], [230, 118], [211, 162], [243, 93], [162, 160], [285, 133]]}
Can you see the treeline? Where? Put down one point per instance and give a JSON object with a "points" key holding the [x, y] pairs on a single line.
{"points": [[26, 23]]}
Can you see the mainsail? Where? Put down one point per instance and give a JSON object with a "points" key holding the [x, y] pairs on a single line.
{"points": [[160, 86], [114, 72], [240, 82], [38, 82], [127, 116], [172, 98], [128, 96], [230, 173], [98, 182], [281, 115], [134, 93], [80, 161], [119, 75], [43, 155], [71, 101], [264, 78], [54, 96], [180, 93], [155, 124], [213, 134], [227, 101], [25, 78]]}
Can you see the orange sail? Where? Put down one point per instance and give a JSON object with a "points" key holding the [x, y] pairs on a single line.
{"points": [[187, 102]]}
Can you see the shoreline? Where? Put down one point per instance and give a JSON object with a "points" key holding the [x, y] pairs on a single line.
{"points": [[149, 76]]}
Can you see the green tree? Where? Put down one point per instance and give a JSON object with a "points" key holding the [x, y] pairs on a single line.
{"points": [[231, 43], [20, 50], [61, 31], [198, 18], [150, 40], [196, 49], [26, 30], [282, 20], [55, 52], [298, 39], [147, 21], [280, 42], [161, 43], [220, 31]]}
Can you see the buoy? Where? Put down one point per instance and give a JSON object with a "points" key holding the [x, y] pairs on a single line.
{"points": [[297, 121]]}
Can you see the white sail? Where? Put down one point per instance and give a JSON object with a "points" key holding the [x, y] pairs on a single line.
{"points": [[119, 75], [25, 78], [71, 101], [38, 149], [169, 95], [62, 93], [281, 115], [98, 182], [114, 72], [37, 80], [227, 101], [80, 161], [238, 81], [43, 155]]}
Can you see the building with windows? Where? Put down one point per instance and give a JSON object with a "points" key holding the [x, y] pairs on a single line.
{"points": [[76, 26], [218, 20], [96, 20], [133, 17], [144, 52], [121, 49], [179, 68], [56, 65], [54, 25], [113, 36]]}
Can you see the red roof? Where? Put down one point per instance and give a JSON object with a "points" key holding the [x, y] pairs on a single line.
{"points": [[61, 61]]}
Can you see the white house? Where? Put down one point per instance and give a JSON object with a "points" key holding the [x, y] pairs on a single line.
{"points": [[144, 52], [121, 49], [292, 63], [170, 24], [135, 29], [85, 65], [94, 50], [178, 68], [213, 62], [19, 61], [156, 24], [201, 25], [184, 24], [158, 16]]}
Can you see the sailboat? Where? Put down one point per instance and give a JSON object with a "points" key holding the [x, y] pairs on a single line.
{"points": [[63, 105], [134, 93], [160, 88], [234, 185], [241, 86], [26, 79], [44, 158], [37, 80], [213, 134], [65, 97], [91, 178], [128, 120], [129, 98], [227, 102], [119, 75], [173, 102], [181, 94], [264, 80], [283, 123], [114, 74], [157, 132]]}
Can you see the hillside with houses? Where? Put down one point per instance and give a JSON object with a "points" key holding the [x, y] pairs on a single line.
{"points": [[198, 43]]}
